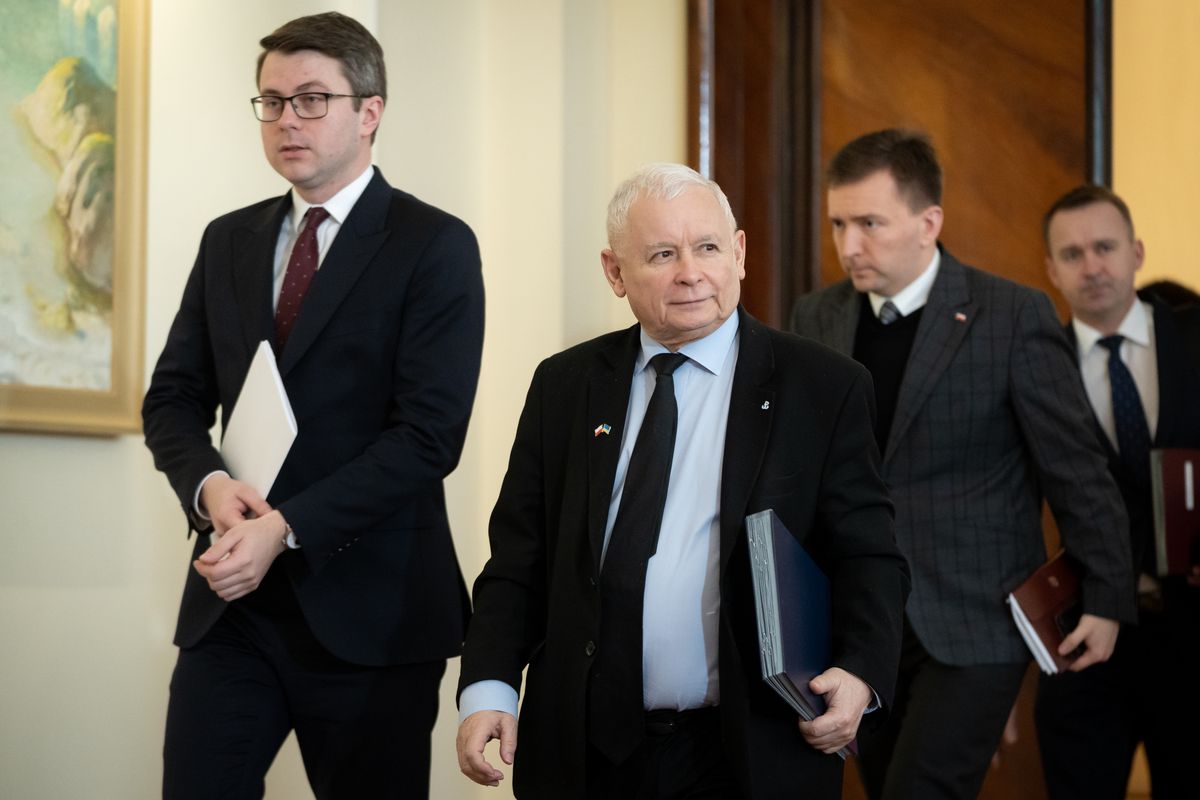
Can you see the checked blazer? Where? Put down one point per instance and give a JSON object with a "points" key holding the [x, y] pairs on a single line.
{"points": [[991, 417]]}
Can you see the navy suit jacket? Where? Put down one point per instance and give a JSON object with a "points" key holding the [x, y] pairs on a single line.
{"points": [[381, 369], [799, 440], [991, 417]]}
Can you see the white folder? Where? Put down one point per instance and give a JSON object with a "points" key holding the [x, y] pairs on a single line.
{"points": [[262, 427]]}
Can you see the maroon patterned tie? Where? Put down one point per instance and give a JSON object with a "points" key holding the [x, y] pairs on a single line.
{"points": [[301, 268]]}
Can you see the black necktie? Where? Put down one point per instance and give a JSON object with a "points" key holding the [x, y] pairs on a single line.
{"points": [[1129, 418], [616, 719]]}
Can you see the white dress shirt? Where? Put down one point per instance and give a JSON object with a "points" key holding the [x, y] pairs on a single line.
{"points": [[913, 296]]}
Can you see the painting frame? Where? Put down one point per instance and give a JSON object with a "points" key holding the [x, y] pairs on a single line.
{"points": [[26, 407]]}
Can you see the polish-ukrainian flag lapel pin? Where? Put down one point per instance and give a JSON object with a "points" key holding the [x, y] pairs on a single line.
{"points": [[960, 316], [604, 428]]}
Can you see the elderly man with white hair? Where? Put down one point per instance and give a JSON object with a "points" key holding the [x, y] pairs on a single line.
{"points": [[619, 572]]}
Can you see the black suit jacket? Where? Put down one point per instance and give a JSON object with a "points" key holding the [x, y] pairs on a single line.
{"points": [[381, 369], [1177, 348], [799, 440], [991, 417]]}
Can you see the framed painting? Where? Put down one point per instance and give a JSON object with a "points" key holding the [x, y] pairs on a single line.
{"points": [[72, 214]]}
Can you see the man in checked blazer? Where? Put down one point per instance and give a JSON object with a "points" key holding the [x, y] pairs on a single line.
{"points": [[331, 605], [981, 414]]}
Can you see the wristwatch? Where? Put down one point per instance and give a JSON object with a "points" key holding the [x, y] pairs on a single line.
{"points": [[289, 537]]}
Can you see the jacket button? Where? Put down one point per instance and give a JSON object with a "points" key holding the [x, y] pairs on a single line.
{"points": [[589, 649], [592, 582]]}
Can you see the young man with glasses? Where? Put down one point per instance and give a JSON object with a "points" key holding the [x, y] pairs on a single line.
{"points": [[329, 606]]}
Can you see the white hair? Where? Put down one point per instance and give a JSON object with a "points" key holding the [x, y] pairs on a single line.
{"points": [[662, 182]]}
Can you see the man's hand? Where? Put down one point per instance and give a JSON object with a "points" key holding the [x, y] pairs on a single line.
{"points": [[1098, 636], [229, 502], [237, 563], [847, 698], [473, 735]]}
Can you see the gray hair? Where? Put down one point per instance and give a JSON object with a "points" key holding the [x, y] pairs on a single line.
{"points": [[662, 182]]}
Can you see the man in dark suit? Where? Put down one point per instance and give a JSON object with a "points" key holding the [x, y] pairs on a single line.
{"points": [[1140, 363], [980, 415], [329, 606], [650, 686]]}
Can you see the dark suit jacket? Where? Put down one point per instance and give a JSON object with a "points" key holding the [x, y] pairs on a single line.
{"points": [[1177, 348], [381, 370], [990, 417], [798, 440]]}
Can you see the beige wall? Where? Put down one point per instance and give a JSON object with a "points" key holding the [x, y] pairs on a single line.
{"points": [[519, 117], [1156, 125]]}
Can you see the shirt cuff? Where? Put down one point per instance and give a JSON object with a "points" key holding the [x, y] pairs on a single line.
{"points": [[199, 509], [487, 696]]}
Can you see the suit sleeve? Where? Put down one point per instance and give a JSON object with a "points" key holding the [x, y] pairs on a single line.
{"points": [[1053, 413], [180, 406], [510, 595], [869, 577], [436, 370]]}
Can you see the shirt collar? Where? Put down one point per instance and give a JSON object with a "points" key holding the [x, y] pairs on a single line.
{"points": [[339, 205], [708, 352], [1135, 327], [913, 296]]}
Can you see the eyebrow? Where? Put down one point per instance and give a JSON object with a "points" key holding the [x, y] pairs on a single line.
{"points": [[309, 86]]}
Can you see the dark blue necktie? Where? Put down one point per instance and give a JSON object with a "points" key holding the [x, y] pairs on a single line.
{"points": [[1133, 434], [616, 722]]}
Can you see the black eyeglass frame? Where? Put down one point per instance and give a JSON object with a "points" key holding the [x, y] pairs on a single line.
{"points": [[257, 103]]}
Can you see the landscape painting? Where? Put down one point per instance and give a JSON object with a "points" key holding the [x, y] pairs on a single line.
{"points": [[71, 214]]}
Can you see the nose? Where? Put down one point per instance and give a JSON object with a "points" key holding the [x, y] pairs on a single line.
{"points": [[1092, 264], [848, 241], [289, 118], [687, 271]]}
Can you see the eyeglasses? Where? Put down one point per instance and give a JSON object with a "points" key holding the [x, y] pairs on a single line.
{"points": [[309, 105]]}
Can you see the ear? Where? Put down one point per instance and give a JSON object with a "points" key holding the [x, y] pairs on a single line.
{"points": [[931, 225], [739, 253], [1139, 252], [612, 271], [371, 112]]}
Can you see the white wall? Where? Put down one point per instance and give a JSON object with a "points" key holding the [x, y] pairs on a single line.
{"points": [[519, 117]]}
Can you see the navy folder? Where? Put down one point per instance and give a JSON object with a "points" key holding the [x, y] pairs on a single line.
{"points": [[791, 596]]}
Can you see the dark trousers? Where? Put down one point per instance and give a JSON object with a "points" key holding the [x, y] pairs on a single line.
{"points": [[681, 758], [256, 675], [1089, 723], [945, 725]]}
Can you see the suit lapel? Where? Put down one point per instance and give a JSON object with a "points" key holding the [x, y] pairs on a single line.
{"points": [[840, 319], [751, 409], [1172, 372], [948, 315], [253, 251], [608, 402], [360, 237]]}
